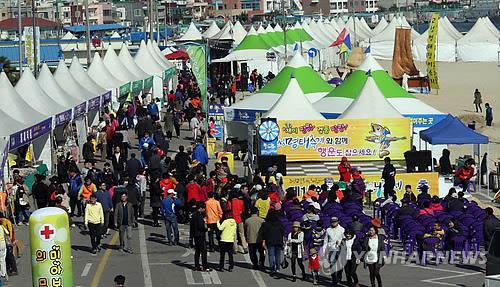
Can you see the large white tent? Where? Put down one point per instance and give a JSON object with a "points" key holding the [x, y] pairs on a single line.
{"points": [[382, 24], [480, 44], [492, 26], [451, 29], [446, 44], [116, 67], [145, 60], [225, 34], [79, 74], [129, 62], [370, 104], [159, 55], [321, 39], [15, 108], [101, 75], [211, 30], [34, 96], [239, 33], [293, 105], [70, 85], [52, 88], [156, 57], [192, 35]]}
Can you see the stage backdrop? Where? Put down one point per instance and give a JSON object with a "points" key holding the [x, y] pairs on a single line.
{"points": [[358, 139], [372, 181]]}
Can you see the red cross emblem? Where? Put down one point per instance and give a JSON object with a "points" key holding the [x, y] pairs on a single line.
{"points": [[47, 232]]}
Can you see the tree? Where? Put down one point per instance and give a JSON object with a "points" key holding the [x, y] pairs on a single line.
{"points": [[243, 17], [7, 68]]}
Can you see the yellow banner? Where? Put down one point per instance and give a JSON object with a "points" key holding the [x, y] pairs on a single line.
{"points": [[431, 52], [357, 139], [372, 181]]}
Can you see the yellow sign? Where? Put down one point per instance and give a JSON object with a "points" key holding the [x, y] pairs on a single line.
{"points": [[230, 159], [357, 139], [372, 181], [431, 52]]}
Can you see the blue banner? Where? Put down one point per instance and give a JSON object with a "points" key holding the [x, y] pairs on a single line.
{"points": [[106, 97], [237, 115], [425, 121], [62, 118], [268, 131], [216, 120], [80, 110], [27, 135], [94, 104]]}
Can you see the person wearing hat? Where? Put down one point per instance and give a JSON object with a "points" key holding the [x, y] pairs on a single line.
{"points": [[344, 168], [331, 246], [314, 265], [168, 205], [295, 249]]}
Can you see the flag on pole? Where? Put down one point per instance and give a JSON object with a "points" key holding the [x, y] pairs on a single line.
{"points": [[343, 49], [347, 41], [367, 50], [340, 38]]}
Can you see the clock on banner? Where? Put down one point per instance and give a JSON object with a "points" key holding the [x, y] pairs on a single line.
{"points": [[268, 133]]}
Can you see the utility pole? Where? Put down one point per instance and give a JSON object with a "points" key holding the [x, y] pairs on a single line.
{"points": [[87, 37], [151, 19], [157, 24], [35, 54], [284, 27], [20, 35]]}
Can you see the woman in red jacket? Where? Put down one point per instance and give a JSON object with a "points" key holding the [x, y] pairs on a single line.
{"points": [[345, 170]]}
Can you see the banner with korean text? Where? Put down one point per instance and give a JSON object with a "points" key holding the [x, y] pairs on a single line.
{"points": [[373, 182], [431, 52], [358, 139]]}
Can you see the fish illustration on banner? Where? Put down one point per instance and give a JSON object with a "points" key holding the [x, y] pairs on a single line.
{"points": [[382, 135]]}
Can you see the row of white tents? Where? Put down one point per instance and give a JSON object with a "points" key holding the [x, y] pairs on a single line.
{"points": [[481, 43], [35, 108]]}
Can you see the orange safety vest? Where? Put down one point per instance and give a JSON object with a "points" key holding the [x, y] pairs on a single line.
{"points": [[87, 191]]}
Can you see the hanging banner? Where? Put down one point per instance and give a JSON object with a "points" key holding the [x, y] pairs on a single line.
{"points": [[4, 149], [124, 91], [431, 52], [27, 135], [94, 104], [62, 118], [169, 73], [372, 181], [198, 60], [29, 46], [50, 248], [148, 83], [358, 139], [106, 98], [80, 110], [137, 86], [216, 120]]}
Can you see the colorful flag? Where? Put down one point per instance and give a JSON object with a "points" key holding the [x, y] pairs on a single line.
{"points": [[343, 49], [368, 50], [347, 41], [340, 38]]}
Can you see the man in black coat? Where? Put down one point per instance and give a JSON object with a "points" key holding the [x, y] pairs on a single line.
{"points": [[88, 150], [182, 162], [134, 197], [491, 223], [388, 175], [198, 230], [133, 166], [118, 160]]}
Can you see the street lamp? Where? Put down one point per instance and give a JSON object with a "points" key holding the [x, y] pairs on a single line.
{"points": [[145, 11]]}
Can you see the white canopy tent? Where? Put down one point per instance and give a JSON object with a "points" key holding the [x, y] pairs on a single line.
{"points": [[492, 26], [225, 34], [69, 36], [129, 62], [78, 72], [9, 122], [192, 35], [293, 105], [446, 45], [34, 96], [451, 29], [211, 30], [116, 68], [382, 24], [101, 75], [480, 44], [70, 85], [239, 33], [321, 39], [340, 23], [370, 104], [145, 60], [51, 87]]}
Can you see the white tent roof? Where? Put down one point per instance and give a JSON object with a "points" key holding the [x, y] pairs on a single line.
{"points": [[370, 64], [52, 88], [33, 95], [446, 44], [370, 104], [340, 23], [361, 34], [115, 35], [322, 40], [490, 24], [293, 105], [333, 25], [192, 34], [211, 30], [129, 62], [322, 31], [225, 33], [238, 33], [451, 29], [330, 30], [69, 36], [158, 55], [24, 116], [382, 24], [116, 67], [70, 85], [101, 75], [479, 44], [78, 72], [145, 60], [245, 55]]}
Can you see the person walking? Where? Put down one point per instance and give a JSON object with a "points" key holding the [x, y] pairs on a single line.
{"points": [[168, 205], [314, 265], [272, 240], [4, 241], [227, 238], [295, 250], [331, 246], [134, 197], [198, 231], [351, 248], [214, 215], [253, 235], [124, 219], [133, 166], [75, 184], [489, 114], [155, 195], [94, 220], [238, 209], [478, 100], [104, 199], [88, 150], [388, 175], [373, 246]]}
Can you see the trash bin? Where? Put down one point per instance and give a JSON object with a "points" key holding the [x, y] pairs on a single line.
{"points": [[493, 180], [472, 125]]}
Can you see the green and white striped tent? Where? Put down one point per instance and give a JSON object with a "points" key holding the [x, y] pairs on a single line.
{"points": [[310, 82], [337, 101]]}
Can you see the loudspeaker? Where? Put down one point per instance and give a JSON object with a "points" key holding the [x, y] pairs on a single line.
{"points": [[418, 161], [266, 161]]}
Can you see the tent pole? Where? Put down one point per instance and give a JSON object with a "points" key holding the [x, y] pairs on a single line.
{"points": [[479, 178], [487, 171]]}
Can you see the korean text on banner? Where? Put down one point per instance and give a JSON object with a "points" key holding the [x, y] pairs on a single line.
{"points": [[29, 49], [216, 120], [372, 181], [431, 52], [197, 56], [358, 139]]}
